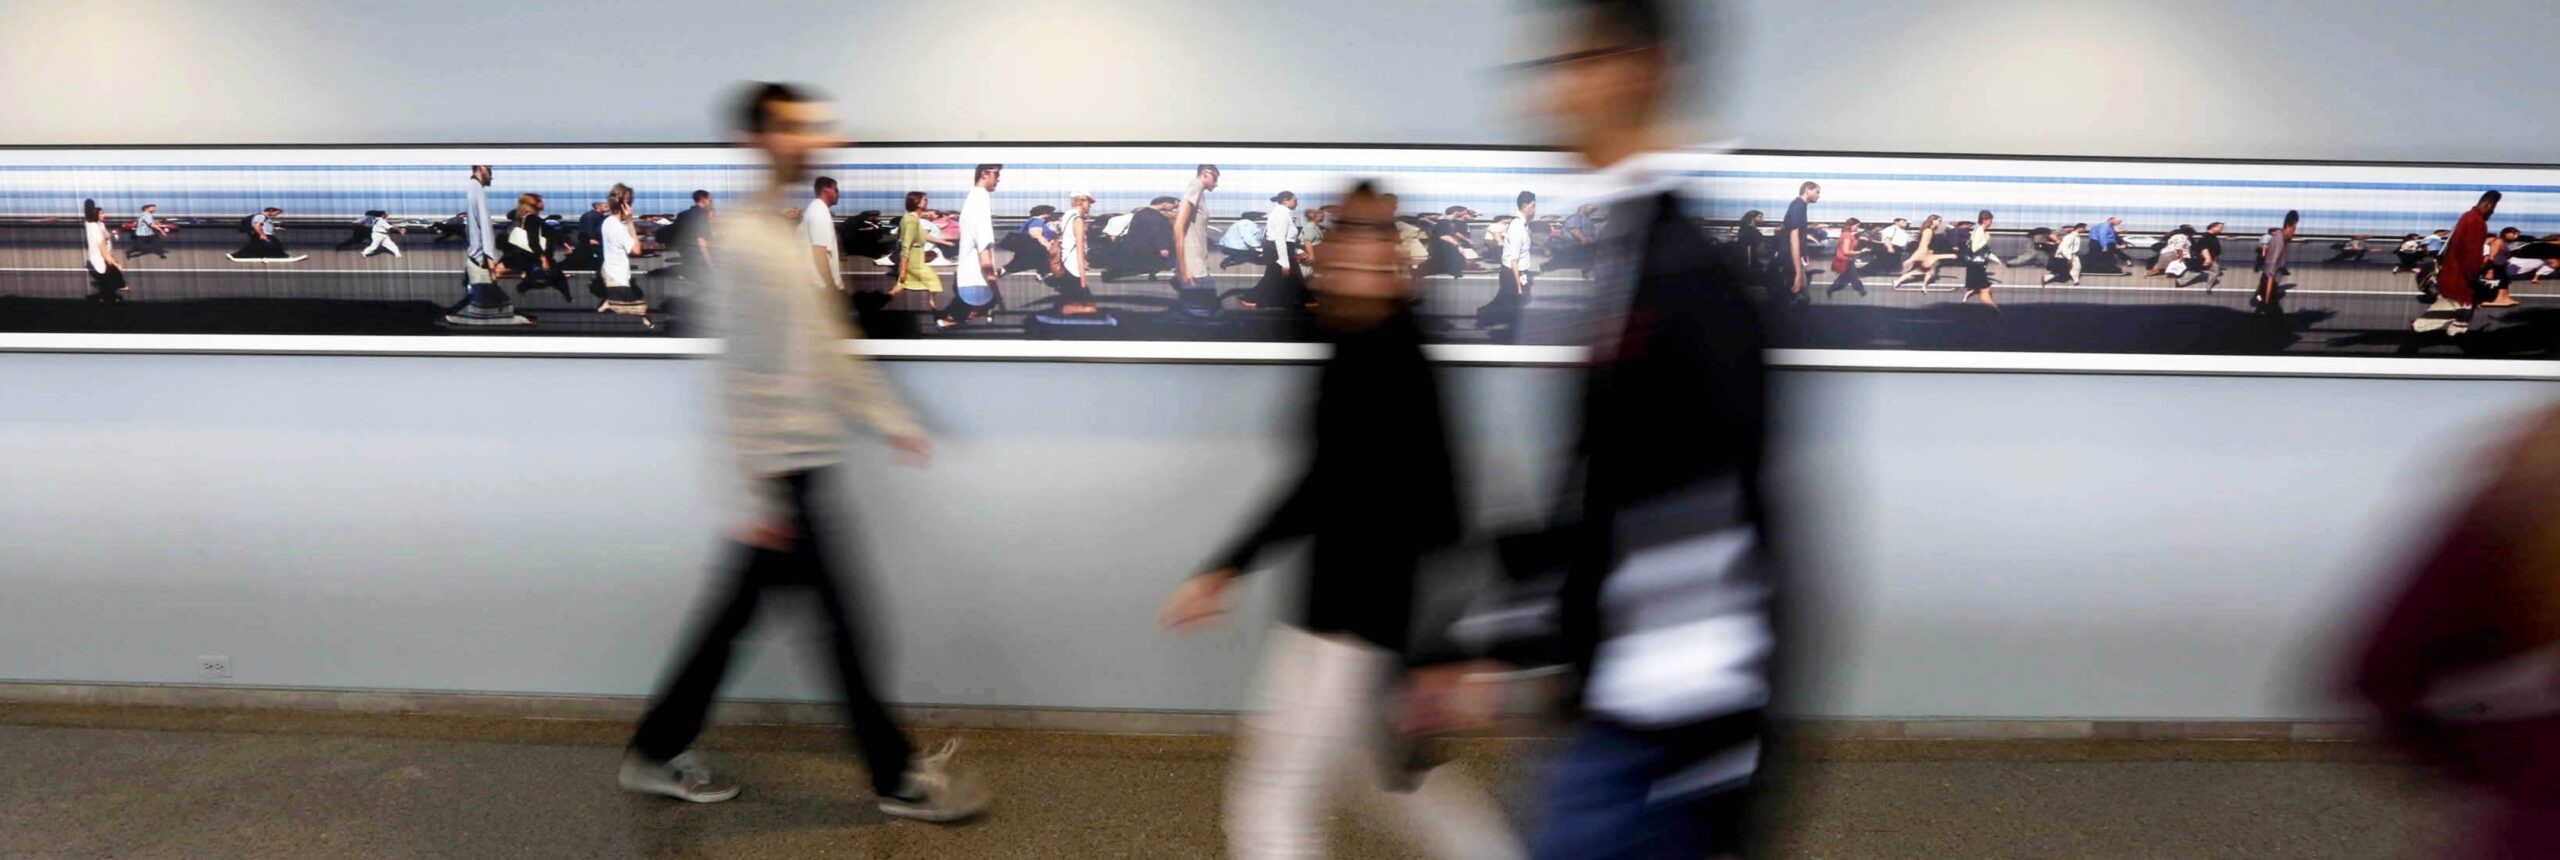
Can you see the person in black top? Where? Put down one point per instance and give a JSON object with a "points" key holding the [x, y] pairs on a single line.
{"points": [[689, 237], [2204, 259], [1147, 248], [1378, 492], [1791, 237]]}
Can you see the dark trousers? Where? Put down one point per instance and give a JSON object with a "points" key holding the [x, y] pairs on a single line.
{"points": [[1280, 285], [153, 244], [811, 563], [1629, 794]]}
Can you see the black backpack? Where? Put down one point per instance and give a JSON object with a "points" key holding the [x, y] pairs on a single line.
{"points": [[249, 224]]}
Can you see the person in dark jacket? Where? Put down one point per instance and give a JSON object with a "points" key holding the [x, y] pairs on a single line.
{"points": [[1667, 589], [1148, 246], [1379, 491]]}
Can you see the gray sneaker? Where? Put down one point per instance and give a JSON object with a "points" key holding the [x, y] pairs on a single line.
{"points": [[938, 793], [683, 778]]}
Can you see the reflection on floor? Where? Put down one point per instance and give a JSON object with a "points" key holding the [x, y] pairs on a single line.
{"points": [[88, 782]]}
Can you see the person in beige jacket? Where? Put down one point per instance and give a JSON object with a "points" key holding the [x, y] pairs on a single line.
{"points": [[791, 398]]}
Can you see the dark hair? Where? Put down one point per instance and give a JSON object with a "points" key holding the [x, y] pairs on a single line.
{"points": [[1042, 210], [89, 210], [821, 186], [1809, 185], [2492, 197], [1528, 197], [915, 200], [1631, 23], [1284, 197], [2292, 217], [2511, 231], [1852, 224], [1753, 217], [2213, 225], [1164, 200], [276, 210], [1986, 216], [150, 206], [755, 114], [985, 169], [1453, 210], [1207, 168], [701, 195]]}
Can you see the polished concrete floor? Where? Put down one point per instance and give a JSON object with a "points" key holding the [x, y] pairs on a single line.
{"points": [[87, 782]]}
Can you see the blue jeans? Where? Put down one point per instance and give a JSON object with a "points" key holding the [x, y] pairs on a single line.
{"points": [[1630, 794]]}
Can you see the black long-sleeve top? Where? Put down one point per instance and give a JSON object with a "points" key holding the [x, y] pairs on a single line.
{"points": [[1378, 492]]}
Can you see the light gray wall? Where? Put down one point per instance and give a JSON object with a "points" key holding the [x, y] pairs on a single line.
{"points": [[1992, 545]]}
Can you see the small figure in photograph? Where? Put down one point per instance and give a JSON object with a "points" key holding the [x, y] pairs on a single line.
{"points": [[587, 250], [688, 239], [1283, 283], [2204, 259], [2039, 253], [1142, 241], [1071, 272], [1792, 238], [1846, 259], [529, 249], [973, 299], [484, 303], [1978, 259], [2273, 257], [380, 231], [97, 249], [1379, 491], [2353, 250], [915, 249], [2458, 273], [2411, 254], [1241, 242], [2069, 244], [2106, 244], [1579, 242], [2500, 254], [1196, 293], [1034, 245], [2171, 260], [358, 231], [1513, 277], [1931, 248], [266, 239], [620, 241], [150, 234], [818, 223]]}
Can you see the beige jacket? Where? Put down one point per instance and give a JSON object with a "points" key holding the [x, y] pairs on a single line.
{"points": [[790, 392]]}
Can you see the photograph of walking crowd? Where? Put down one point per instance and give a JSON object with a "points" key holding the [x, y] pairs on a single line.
{"points": [[1500, 247]]}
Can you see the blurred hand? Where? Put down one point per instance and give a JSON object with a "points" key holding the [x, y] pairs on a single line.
{"points": [[1199, 603], [771, 534], [913, 449], [1442, 699]]}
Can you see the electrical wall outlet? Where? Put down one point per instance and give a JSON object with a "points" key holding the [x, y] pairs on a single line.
{"points": [[213, 667]]}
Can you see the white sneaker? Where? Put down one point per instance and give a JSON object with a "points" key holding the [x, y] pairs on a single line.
{"points": [[934, 792], [683, 778]]}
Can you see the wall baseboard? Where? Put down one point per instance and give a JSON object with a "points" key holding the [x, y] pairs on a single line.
{"points": [[752, 712]]}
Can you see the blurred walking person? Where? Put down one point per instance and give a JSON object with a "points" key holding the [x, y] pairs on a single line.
{"points": [[1379, 491], [97, 250], [1665, 608], [790, 394], [484, 303], [2460, 660]]}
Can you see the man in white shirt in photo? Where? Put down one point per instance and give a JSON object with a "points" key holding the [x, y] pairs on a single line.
{"points": [[975, 299], [818, 222]]}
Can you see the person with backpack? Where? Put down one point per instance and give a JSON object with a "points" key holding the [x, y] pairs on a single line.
{"points": [[266, 241]]}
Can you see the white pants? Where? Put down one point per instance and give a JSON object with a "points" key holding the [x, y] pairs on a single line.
{"points": [[1314, 729], [382, 242]]}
